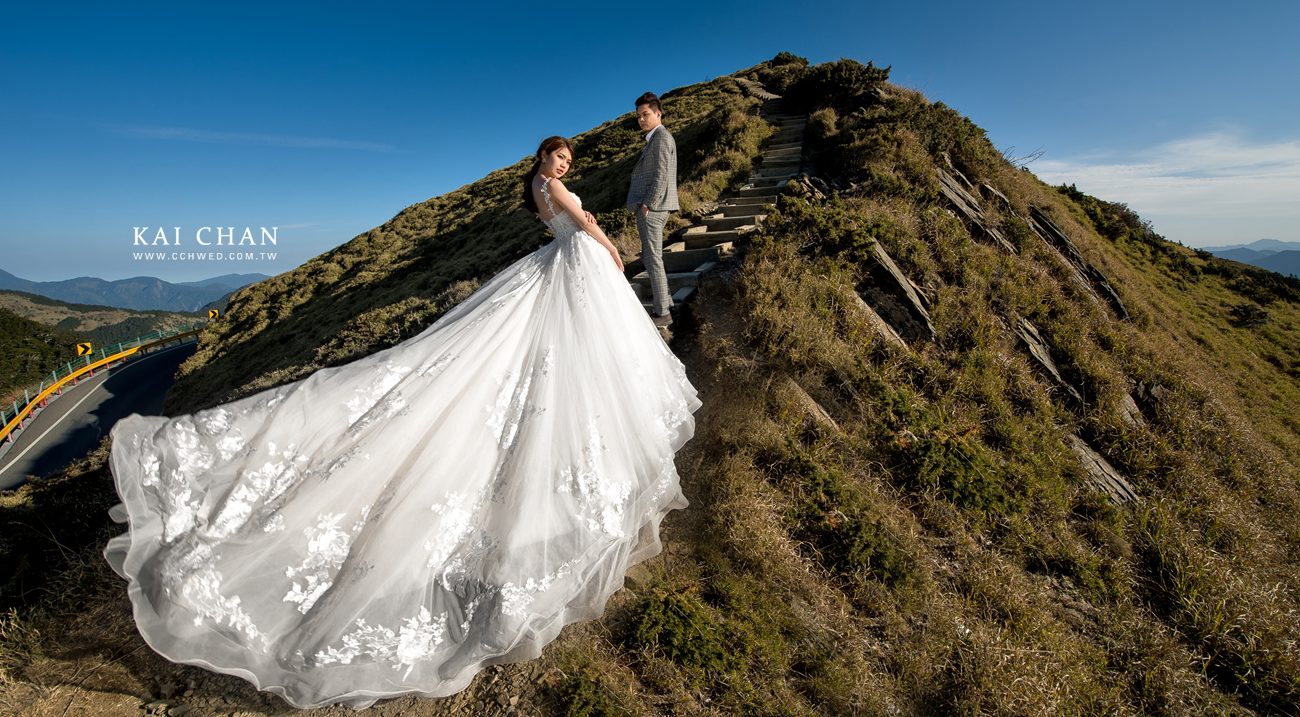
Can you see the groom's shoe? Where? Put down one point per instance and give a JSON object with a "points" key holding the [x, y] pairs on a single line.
{"points": [[664, 321]]}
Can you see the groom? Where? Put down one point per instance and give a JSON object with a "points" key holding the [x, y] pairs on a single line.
{"points": [[652, 196]]}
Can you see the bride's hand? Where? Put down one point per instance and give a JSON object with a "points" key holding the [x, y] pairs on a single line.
{"points": [[618, 260], [590, 217]]}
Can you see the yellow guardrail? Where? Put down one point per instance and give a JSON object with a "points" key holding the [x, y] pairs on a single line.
{"points": [[44, 392]]}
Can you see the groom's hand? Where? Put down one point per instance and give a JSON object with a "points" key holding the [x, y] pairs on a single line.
{"points": [[643, 208]]}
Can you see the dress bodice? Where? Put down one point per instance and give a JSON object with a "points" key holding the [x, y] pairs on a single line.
{"points": [[560, 222]]}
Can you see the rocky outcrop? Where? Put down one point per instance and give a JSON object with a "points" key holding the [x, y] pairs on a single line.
{"points": [[894, 298], [954, 185], [1101, 473], [1041, 353], [882, 327], [1089, 275]]}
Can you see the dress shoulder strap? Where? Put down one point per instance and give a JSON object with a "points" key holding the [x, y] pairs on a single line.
{"points": [[546, 193]]}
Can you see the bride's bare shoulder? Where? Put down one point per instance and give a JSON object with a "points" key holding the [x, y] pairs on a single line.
{"points": [[557, 185]]}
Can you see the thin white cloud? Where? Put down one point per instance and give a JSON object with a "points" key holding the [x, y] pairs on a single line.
{"points": [[1213, 187], [188, 134]]}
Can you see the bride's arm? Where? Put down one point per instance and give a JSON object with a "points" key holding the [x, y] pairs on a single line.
{"points": [[564, 200]]}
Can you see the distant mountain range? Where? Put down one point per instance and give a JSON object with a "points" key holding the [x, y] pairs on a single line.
{"points": [[1280, 256], [139, 293]]}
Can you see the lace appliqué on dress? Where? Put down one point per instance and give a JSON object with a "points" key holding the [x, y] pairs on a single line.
{"points": [[415, 640], [376, 401], [266, 485], [323, 473], [190, 578], [433, 366], [602, 497], [328, 545], [454, 525], [515, 599], [216, 423]]}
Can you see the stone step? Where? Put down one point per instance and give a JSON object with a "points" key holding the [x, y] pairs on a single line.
{"points": [[770, 181], [769, 191], [676, 279], [783, 145], [705, 239], [768, 185], [790, 158], [769, 172], [680, 296], [722, 221], [745, 205], [784, 152], [744, 210], [692, 259], [790, 125]]}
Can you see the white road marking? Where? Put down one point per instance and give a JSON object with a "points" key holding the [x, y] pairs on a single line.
{"points": [[89, 393]]}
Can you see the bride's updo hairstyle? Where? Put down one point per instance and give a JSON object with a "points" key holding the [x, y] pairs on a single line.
{"points": [[550, 144]]}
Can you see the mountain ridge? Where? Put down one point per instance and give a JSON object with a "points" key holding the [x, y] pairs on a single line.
{"points": [[891, 513], [140, 293]]}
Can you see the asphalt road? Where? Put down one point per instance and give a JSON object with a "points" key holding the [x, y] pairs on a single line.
{"points": [[73, 425]]}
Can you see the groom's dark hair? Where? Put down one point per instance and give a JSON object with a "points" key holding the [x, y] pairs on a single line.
{"points": [[651, 99]]}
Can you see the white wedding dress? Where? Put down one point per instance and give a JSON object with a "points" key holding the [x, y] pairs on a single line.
{"points": [[395, 524]]}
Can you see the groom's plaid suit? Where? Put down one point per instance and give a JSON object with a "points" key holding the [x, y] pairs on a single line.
{"points": [[654, 184]]}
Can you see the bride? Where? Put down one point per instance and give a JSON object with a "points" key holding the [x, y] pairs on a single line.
{"points": [[395, 524]]}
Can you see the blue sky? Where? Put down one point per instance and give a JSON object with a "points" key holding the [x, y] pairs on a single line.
{"points": [[325, 119]]}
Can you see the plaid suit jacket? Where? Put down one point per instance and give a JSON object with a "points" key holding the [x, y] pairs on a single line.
{"points": [[654, 178]]}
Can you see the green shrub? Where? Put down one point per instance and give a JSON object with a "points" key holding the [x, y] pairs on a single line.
{"points": [[586, 696], [962, 469], [684, 630], [845, 85]]}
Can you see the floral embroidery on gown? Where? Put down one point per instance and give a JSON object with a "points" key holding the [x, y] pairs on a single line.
{"points": [[393, 525]]}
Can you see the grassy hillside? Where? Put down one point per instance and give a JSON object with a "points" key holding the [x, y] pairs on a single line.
{"points": [[390, 282], [875, 528], [39, 334], [29, 350]]}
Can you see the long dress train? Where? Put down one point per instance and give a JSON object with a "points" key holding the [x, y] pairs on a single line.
{"points": [[395, 524]]}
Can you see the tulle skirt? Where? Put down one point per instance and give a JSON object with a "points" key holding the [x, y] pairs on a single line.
{"points": [[395, 524]]}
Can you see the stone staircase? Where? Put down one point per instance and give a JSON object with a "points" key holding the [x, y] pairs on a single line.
{"points": [[692, 251]]}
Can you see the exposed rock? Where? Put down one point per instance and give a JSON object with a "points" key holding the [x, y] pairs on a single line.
{"points": [[1102, 473], [808, 187], [754, 89], [881, 326], [1148, 395], [970, 208], [957, 173], [1003, 203], [814, 410], [1042, 355], [1129, 411], [1047, 230], [894, 298]]}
